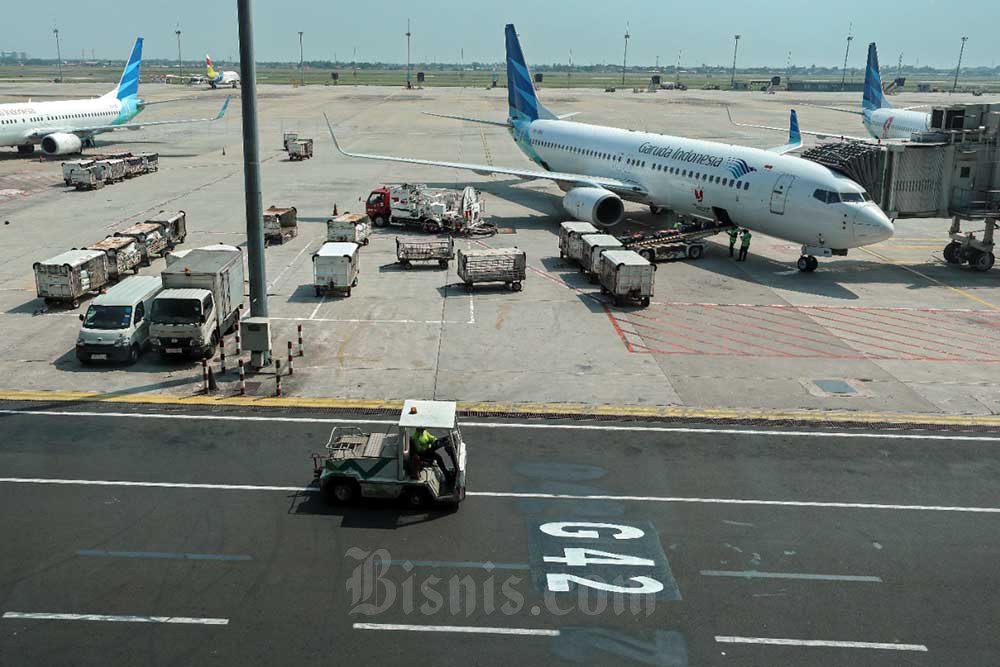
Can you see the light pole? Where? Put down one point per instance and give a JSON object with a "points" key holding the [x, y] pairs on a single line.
{"points": [[625, 57], [408, 80], [960, 52], [843, 78], [55, 31], [180, 71], [736, 46], [302, 74], [569, 72]]}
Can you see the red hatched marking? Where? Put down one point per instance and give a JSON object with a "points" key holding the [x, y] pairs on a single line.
{"points": [[810, 332]]}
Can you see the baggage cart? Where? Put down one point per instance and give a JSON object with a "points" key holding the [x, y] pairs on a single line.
{"points": [[335, 268], [75, 165], [593, 244], [626, 276], [112, 171], [420, 250], [68, 276], [280, 223], [123, 255], [149, 237], [174, 227], [570, 243], [492, 265], [300, 149], [349, 228], [88, 178], [150, 162], [286, 138], [134, 166]]}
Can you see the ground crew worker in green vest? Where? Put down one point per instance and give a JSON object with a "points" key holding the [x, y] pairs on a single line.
{"points": [[422, 442], [424, 446], [734, 235], [744, 245]]}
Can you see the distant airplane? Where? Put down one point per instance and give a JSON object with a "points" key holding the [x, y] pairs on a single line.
{"points": [[216, 79], [67, 126], [768, 191]]}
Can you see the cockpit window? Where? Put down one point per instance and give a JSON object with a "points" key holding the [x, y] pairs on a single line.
{"points": [[830, 197], [852, 197]]}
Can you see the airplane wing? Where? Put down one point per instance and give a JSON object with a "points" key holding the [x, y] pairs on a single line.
{"points": [[466, 118], [820, 106], [612, 184], [41, 132], [820, 135]]}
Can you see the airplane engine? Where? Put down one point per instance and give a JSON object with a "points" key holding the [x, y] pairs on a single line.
{"points": [[61, 143], [597, 206]]}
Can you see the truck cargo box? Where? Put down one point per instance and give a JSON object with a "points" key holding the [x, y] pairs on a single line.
{"points": [[68, 276], [349, 228], [504, 265], [626, 276], [335, 268]]}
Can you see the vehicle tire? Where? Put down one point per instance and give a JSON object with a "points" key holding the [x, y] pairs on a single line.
{"points": [[648, 255], [695, 252], [813, 263], [982, 261], [319, 291], [75, 304], [234, 85], [516, 286], [365, 242], [347, 292], [405, 263], [355, 283], [443, 263], [416, 498], [803, 264], [134, 354], [379, 221], [340, 491], [645, 302], [952, 253]]}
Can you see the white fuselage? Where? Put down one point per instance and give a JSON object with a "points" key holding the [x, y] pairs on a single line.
{"points": [[227, 78], [779, 195], [889, 123], [26, 122]]}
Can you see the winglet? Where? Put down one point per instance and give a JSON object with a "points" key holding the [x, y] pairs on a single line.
{"points": [[225, 105], [333, 136], [794, 136]]}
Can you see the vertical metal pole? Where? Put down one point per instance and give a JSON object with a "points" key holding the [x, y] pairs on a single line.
{"points": [[736, 46], [408, 84], [291, 368], [55, 31], [277, 377], [251, 174], [180, 67], [204, 373], [301, 350], [243, 380], [302, 74], [961, 51], [625, 57], [843, 77]]}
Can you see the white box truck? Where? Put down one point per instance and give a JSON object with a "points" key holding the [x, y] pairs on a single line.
{"points": [[626, 276], [201, 299], [335, 268]]}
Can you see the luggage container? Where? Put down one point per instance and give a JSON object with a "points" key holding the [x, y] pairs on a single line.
{"points": [[335, 268], [112, 171], [590, 254], [288, 137], [493, 265], [123, 255], [420, 250], [626, 276], [88, 178], [570, 243], [174, 227], [150, 239], [134, 166], [150, 162], [68, 276], [300, 149], [349, 228], [75, 165], [280, 223]]}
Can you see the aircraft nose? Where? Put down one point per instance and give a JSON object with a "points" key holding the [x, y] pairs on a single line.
{"points": [[884, 227], [871, 225]]}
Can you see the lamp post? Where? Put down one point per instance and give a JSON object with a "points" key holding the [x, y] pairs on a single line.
{"points": [[736, 46], [625, 57], [55, 31], [180, 71], [961, 51], [302, 74], [409, 83], [850, 37]]}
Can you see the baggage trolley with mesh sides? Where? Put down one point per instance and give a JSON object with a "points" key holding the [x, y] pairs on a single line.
{"points": [[492, 265], [408, 251]]}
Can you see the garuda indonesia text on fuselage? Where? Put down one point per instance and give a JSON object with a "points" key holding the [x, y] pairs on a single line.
{"points": [[65, 127], [598, 167]]}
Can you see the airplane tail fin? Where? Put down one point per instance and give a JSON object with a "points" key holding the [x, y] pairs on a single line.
{"points": [[873, 97], [128, 85], [209, 70], [521, 99]]}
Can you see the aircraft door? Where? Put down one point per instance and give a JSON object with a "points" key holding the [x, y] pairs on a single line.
{"points": [[779, 194]]}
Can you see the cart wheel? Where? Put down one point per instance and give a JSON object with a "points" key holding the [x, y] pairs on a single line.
{"points": [[75, 303], [340, 491], [645, 302], [135, 269], [365, 242], [347, 292], [468, 287], [416, 497], [379, 221], [617, 300], [405, 263], [443, 263], [319, 292], [355, 283], [695, 252]]}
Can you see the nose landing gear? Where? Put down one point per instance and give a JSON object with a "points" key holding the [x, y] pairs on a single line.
{"points": [[807, 263]]}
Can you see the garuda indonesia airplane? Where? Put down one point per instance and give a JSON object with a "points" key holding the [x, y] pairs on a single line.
{"points": [[66, 126], [598, 167]]}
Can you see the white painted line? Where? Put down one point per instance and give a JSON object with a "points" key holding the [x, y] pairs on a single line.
{"points": [[509, 494], [755, 574], [820, 642], [316, 309], [466, 629], [294, 259], [117, 619], [521, 425], [361, 321]]}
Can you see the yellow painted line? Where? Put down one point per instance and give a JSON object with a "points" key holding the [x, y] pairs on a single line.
{"points": [[516, 409], [926, 277]]}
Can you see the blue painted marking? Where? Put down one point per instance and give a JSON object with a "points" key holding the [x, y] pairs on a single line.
{"points": [[159, 554], [462, 564]]}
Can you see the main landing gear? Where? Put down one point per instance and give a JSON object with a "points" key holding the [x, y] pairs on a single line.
{"points": [[807, 263]]}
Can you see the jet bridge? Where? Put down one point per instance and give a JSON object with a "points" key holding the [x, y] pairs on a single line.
{"points": [[951, 170]]}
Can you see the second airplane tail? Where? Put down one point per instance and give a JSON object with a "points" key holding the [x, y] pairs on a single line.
{"points": [[873, 98]]}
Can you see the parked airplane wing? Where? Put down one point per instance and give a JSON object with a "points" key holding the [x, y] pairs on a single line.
{"points": [[612, 184], [41, 132], [466, 118], [821, 135]]}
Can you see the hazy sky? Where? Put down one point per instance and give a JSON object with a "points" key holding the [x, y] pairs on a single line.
{"points": [[814, 32]]}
